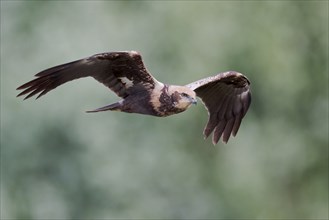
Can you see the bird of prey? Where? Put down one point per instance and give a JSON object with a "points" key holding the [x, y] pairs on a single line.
{"points": [[226, 95]]}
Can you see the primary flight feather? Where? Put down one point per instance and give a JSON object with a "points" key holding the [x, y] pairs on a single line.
{"points": [[226, 95]]}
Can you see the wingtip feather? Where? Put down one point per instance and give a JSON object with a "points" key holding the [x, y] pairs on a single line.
{"points": [[24, 86]]}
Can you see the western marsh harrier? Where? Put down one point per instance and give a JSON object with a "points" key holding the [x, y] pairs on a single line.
{"points": [[226, 95]]}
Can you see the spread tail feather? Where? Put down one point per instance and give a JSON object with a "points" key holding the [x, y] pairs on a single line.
{"points": [[112, 107]]}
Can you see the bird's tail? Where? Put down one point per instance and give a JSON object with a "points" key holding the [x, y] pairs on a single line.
{"points": [[112, 107]]}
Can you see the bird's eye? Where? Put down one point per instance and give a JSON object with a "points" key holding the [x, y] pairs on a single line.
{"points": [[185, 95]]}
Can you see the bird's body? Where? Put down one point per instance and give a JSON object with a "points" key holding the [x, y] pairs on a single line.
{"points": [[226, 95], [161, 102]]}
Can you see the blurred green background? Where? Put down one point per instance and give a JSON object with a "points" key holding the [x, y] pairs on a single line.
{"points": [[57, 162]]}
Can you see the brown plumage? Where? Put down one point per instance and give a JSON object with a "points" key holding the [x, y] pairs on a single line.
{"points": [[226, 95]]}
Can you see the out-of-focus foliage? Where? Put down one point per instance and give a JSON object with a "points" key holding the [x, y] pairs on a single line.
{"points": [[59, 162]]}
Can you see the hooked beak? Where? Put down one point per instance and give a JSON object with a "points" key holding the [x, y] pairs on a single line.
{"points": [[194, 101]]}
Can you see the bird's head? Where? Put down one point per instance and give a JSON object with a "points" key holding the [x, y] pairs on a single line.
{"points": [[182, 96]]}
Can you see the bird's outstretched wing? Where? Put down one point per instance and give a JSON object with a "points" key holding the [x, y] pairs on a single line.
{"points": [[227, 98], [122, 72]]}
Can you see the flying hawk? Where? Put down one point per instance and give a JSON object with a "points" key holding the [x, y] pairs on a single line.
{"points": [[226, 95]]}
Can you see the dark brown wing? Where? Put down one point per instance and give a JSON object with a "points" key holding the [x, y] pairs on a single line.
{"points": [[122, 72], [227, 98]]}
